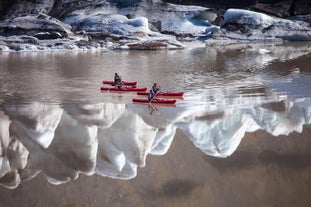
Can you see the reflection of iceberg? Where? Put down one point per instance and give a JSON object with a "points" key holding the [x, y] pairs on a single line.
{"points": [[294, 116], [219, 137], [13, 155], [163, 140], [114, 139], [102, 115], [124, 146], [38, 120]]}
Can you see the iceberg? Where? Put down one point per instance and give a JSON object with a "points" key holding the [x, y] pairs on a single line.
{"points": [[249, 26], [103, 23]]}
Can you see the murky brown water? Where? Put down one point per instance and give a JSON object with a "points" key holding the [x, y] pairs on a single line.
{"points": [[239, 137]]}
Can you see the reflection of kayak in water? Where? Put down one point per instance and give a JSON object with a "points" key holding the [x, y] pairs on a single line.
{"points": [[168, 93], [157, 101], [123, 89], [125, 83]]}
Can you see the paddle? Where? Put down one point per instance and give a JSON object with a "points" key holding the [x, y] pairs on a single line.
{"points": [[154, 96]]}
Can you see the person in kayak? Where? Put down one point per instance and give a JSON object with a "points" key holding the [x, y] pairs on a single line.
{"points": [[155, 88], [117, 80], [150, 95]]}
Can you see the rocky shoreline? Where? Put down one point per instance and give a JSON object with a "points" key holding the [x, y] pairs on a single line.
{"points": [[49, 25]]}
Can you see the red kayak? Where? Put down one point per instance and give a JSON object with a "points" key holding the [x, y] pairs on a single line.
{"points": [[126, 83], [168, 93], [159, 101], [123, 89]]}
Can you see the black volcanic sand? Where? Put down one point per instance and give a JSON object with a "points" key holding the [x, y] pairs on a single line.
{"points": [[263, 171]]}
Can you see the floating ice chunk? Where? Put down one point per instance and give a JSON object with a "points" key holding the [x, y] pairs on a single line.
{"points": [[153, 44], [243, 25], [4, 48], [264, 51], [139, 22], [248, 17]]}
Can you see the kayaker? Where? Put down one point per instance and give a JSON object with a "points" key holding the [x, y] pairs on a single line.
{"points": [[155, 88], [150, 95], [117, 80]]}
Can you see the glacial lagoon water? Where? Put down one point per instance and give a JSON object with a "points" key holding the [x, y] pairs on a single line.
{"points": [[240, 136]]}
